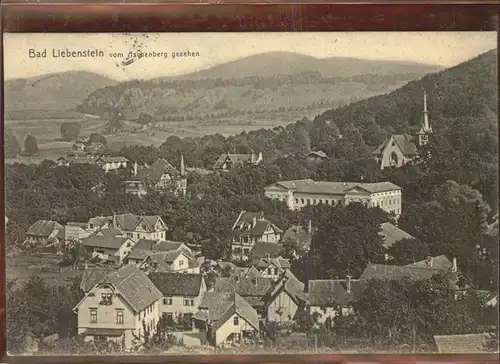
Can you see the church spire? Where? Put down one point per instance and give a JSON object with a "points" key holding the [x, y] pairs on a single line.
{"points": [[183, 168], [425, 124], [425, 129]]}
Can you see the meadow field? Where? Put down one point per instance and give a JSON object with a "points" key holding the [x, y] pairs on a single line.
{"points": [[47, 131]]}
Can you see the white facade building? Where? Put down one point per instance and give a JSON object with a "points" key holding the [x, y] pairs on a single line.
{"points": [[299, 193]]}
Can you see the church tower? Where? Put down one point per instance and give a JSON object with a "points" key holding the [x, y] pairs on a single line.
{"points": [[425, 129]]}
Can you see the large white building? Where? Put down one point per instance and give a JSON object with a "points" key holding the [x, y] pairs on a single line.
{"points": [[299, 193]]}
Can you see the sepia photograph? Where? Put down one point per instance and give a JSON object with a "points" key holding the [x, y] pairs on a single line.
{"points": [[251, 193]]}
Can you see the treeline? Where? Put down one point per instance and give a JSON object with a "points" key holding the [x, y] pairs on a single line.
{"points": [[260, 82]]}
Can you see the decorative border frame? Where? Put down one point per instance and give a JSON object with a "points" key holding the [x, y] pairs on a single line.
{"points": [[202, 17]]}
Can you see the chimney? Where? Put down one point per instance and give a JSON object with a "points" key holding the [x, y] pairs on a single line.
{"points": [[310, 227], [268, 257], [254, 221], [135, 169], [348, 284], [454, 268]]}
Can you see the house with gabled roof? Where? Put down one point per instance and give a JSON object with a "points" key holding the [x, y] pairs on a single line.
{"points": [[44, 232], [300, 193], [133, 226], [182, 294], [117, 306], [179, 261], [108, 248], [229, 161], [285, 298], [272, 267], [160, 176], [330, 298], [251, 228], [252, 289], [227, 318], [400, 149]]}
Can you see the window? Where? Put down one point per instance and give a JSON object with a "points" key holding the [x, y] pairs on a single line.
{"points": [[296, 200], [302, 201], [167, 301], [314, 201], [236, 321], [188, 301], [119, 316], [269, 271], [106, 299], [237, 250], [308, 201], [181, 263], [93, 315], [245, 239]]}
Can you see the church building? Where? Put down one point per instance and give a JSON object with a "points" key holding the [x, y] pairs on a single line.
{"points": [[400, 149]]}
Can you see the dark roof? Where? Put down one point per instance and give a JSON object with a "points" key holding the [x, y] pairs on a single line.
{"points": [[440, 262], [244, 224], [103, 332], [261, 250], [322, 187], [109, 231], [134, 285], [154, 172], [104, 241], [127, 222], [403, 141], [469, 343], [91, 276], [256, 287], [381, 271], [280, 263], [43, 228], [392, 234], [108, 159], [292, 286], [329, 292], [177, 284], [157, 246], [298, 234], [218, 307]]}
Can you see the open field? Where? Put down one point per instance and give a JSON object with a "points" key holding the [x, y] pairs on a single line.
{"points": [[46, 131], [23, 265]]}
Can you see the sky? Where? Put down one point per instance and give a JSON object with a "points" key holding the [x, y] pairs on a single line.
{"points": [[436, 48]]}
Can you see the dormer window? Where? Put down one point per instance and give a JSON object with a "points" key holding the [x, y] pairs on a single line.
{"points": [[106, 299], [393, 143]]}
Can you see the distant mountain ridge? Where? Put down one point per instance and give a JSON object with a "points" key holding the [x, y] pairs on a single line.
{"points": [[55, 91], [275, 63]]}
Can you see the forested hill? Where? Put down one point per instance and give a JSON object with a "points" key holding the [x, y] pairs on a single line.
{"points": [[263, 83], [468, 89]]}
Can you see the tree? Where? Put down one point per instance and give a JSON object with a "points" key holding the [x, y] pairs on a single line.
{"points": [[403, 309], [97, 138], [12, 147], [346, 240], [30, 145], [407, 251], [70, 130]]}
